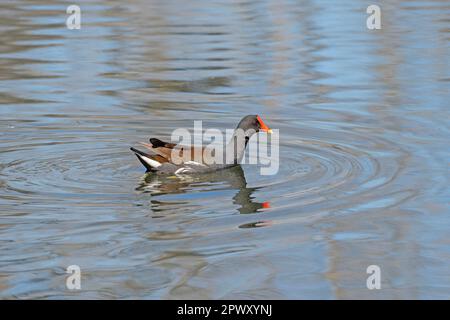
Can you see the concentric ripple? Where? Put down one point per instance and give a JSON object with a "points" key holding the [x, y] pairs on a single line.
{"points": [[331, 168]]}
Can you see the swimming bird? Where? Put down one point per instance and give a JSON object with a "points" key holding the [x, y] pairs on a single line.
{"points": [[169, 158]]}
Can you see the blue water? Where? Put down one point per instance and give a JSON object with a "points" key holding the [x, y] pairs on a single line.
{"points": [[364, 131]]}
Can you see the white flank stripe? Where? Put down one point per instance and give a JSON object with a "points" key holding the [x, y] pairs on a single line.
{"points": [[182, 170], [150, 162]]}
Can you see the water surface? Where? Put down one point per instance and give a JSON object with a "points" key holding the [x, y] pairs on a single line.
{"points": [[364, 158]]}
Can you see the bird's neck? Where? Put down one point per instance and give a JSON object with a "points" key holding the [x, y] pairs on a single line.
{"points": [[236, 147]]}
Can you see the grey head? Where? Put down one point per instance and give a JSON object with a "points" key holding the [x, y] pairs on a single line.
{"points": [[247, 127], [252, 124]]}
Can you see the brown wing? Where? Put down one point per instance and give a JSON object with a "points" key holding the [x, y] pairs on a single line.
{"points": [[166, 150], [161, 148], [159, 158]]}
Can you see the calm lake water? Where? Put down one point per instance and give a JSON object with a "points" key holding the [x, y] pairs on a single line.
{"points": [[364, 149]]}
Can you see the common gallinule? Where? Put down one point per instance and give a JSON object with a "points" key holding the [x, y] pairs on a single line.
{"points": [[161, 157]]}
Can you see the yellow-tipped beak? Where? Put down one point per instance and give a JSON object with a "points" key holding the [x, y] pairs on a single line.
{"points": [[263, 125]]}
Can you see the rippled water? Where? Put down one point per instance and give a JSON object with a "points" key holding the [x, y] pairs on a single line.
{"points": [[364, 157]]}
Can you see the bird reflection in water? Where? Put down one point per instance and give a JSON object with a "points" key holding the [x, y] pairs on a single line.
{"points": [[231, 179]]}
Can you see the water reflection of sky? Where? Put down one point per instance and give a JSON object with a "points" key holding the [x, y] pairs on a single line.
{"points": [[364, 149]]}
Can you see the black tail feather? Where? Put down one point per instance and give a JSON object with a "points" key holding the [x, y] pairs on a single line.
{"points": [[139, 154]]}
